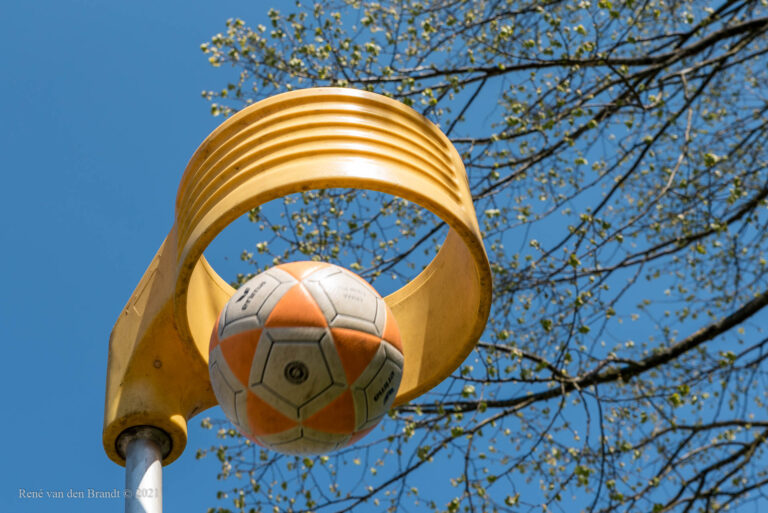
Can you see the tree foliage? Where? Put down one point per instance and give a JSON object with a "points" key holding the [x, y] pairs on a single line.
{"points": [[615, 152]]}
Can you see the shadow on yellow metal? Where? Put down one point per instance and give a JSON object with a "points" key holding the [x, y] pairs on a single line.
{"points": [[309, 139]]}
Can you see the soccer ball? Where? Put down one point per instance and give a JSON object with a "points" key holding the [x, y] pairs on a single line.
{"points": [[305, 358]]}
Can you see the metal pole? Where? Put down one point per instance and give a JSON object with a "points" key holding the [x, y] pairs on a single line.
{"points": [[143, 477], [143, 448]]}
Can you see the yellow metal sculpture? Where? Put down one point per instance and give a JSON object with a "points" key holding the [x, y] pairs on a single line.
{"points": [[157, 372]]}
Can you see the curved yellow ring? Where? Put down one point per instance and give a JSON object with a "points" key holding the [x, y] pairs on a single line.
{"points": [[296, 141]]}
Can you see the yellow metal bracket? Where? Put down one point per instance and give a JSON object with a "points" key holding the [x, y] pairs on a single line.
{"points": [[157, 372]]}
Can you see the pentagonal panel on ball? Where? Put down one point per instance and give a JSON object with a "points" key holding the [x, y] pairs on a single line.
{"points": [[283, 437], [253, 302], [381, 316], [365, 378], [229, 392], [297, 379], [345, 301], [379, 393], [393, 353], [304, 441]]}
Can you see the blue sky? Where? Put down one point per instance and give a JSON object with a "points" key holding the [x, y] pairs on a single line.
{"points": [[101, 111]]}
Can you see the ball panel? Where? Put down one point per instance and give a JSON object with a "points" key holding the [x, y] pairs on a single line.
{"points": [[360, 434], [214, 335], [224, 391], [322, 272], [240, 325], [259, 358], [273, 440], [272, 300], [345, 299], [263, 419], [354, 323], [359, 278], [264, 291], [248, 300], [321, 299], [350, 297], [295, 334], [361, 407], [238, 351], [337, 417], [328, 438], [276, 401], [371, 423], [314, 379], [320, 402], [335, 365], [358, 387], [296, 307], [281, 275], [226, 386], [297, 372], [301, 270], [373, 367], [270, 336], [394, 354], [355, 350], [241, 410], [380, 392], [392, 332], [381, 315], [305, 441]]}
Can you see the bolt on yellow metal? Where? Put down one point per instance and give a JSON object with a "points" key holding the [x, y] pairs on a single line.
{"points": [[157, 372]]}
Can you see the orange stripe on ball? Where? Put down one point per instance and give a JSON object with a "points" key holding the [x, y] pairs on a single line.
{"points": [[264, 419], [355, 349], [238, 351], [296, 308], [392, 332], [360, 434], [337, 417], [301, 270], [214, 337]]}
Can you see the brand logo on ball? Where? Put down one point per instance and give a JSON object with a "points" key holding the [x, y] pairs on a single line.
{"points": [[296, 372], [384, 387]]}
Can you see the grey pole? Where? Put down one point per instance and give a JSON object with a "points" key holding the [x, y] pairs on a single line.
{"points": [[143, 448]]}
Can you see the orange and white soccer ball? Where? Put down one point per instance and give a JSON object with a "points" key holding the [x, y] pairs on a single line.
{"points": [[305, 358]]}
